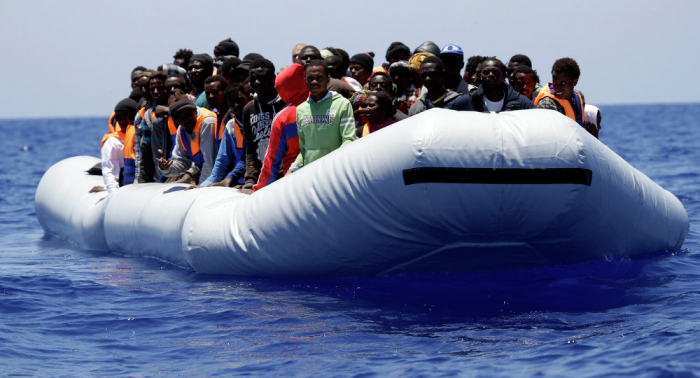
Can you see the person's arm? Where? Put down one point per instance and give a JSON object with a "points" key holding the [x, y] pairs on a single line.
{"points": [[251, 171], [273, 157], [179, 163], [547, 103], [207, 146], [347, 123], [299, 161], [112, 153], [223, 160]]}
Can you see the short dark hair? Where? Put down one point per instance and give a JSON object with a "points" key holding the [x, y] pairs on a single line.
{"points": [[499, 64], [527, 71], [138, 68], [184, 54], [229, 64], [343, 55], [473, 62], [311, 47], [385, 101], [567, 65], [233, 88], [218, 78], [521, 60], [433, 59], [381, 73], [318, 63], [262, 63], [158, 75]]}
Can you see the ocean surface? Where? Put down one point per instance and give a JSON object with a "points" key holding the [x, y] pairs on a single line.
{"points": [[71, 312]]}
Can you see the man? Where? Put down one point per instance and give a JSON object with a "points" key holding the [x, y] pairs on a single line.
{"points": [[432, 75], [405, 90], [117, 149], [493, 95], [154, 121], [361, 66], [296, 51], [325, 120], [311, 53], [182, 58], [519, 60], [452, 58], [196, 144], [214, 87], [560, 94], [258, 116], [472, 73], [228, 71], [396, 52], [523, 79], [200, 68], [135, 74], [284, 138]]}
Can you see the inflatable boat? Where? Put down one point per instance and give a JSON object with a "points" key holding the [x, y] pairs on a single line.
{"points": [[442, 191]]}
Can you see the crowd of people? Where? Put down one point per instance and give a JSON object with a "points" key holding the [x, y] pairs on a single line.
{"points": [[237, 122]]}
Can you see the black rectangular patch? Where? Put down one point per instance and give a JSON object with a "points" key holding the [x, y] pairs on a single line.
{"points": [[578, 176]]}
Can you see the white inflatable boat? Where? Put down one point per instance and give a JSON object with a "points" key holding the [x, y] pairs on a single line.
{"points": [[442, 191]]}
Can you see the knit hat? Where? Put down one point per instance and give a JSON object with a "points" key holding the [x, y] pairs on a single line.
{"points": [[206, 60], [364, 60], [397, 47], [400, 65], [429, 47], [178, 100], [251, 57], [126, 107], [415, 61], [226, 47], [136, 94]]}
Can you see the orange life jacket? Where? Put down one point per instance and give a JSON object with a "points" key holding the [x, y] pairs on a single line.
{"points": [[192, 148], [546, 92], [128, 174]]}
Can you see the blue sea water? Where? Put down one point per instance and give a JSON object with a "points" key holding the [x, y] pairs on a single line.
{"points": [[70, 312]]}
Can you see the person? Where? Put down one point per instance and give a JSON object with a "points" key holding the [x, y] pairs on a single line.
{"points": [[310, 53], [227, 47], [200, 68], [560, 94], [135, 74], [361, 67], [228, 71], [593, 119], [296, 51], [229, 167], [335, 67], [396, 52], [358, 101], [452, 58], [117, 149], [195, 146], [174, 82], [414, 63], [493, 95], [324, 121], [155, 117], [472, 73], [182, 58], [381, 82], [406, 93], [284, 139], [427, 47], [519, 60], [433, 77], [214, 87], [379, 111], [523, 80], [258, 116]]}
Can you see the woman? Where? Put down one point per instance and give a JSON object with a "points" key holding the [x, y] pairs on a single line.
{"points": [[358, 100], [379, 110]]}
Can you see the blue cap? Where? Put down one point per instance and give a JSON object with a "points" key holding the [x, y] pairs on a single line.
{"points": [[452, 49]]}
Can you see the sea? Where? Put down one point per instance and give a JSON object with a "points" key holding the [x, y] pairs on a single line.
{"points": [[65, 311]]}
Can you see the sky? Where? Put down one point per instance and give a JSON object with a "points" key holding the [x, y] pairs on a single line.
{"points": [[74, 58]]}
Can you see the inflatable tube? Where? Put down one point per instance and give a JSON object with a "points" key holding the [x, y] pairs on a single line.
{"points": [[441, 191]]}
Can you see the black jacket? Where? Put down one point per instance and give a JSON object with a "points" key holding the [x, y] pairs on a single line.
{"points": [[475, 101]]}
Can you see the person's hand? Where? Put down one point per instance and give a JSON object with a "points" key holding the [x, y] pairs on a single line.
{"points": [[163, 164], [186, 179], [193, 187], [248, 185], [97, 189], [162, 110], [226, 183], [246, 191]]}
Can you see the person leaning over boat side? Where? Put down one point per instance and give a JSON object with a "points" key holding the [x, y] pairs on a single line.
{"points": [[196, 144], [284, 139], [324, 121], [493, 95], [433, 77], [146, 159], [201, 66], [117, 149], [229, 167], [560, 94], [258, 116]]}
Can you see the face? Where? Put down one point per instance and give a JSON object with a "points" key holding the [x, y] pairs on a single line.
{"points": [[380, 83], [510, 68], [236, 102], [476, 76], [317, 81], [249, 92], [491, 74], [180, 62], [295, 53], [195, 71], [453, 64], [187, 118], [373, 111], [399, 55], [524, 84], [123, 122], [158, 91], [563, 84], [173, 83], [359, 73], [215, 95], [307, 55], [358, 110], [433, 78], [402, 78], [143, 85], [262, 80], [135, 79], [334, 68]]}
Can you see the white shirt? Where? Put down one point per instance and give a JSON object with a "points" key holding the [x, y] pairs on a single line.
{"points": [[112, 162], [494, 106]]}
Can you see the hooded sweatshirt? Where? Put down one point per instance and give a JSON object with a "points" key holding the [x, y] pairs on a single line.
{"points": [[257, 125], [284, 140]]}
